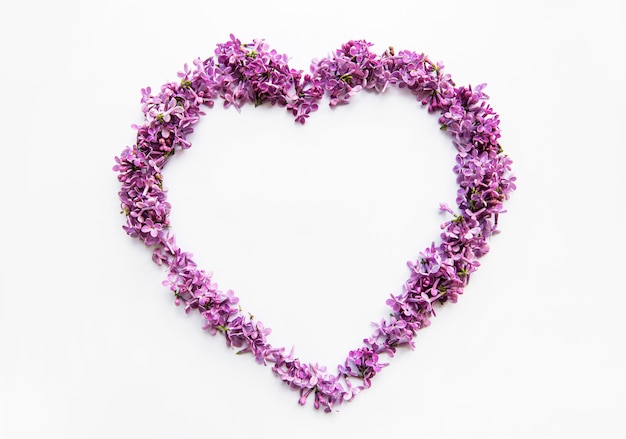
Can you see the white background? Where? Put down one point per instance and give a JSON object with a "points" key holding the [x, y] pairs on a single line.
{"points": [[311, 225]]}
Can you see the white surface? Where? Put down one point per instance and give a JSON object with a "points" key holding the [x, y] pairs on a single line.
{"points": [[311, 226]]}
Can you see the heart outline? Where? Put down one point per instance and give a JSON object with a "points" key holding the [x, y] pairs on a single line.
{"points": [[251, 73]]}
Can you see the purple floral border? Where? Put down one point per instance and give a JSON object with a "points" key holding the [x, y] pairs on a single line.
{"points": [[252, 73]]}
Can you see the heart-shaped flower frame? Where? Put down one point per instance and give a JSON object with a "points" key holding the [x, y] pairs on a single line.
{"points": [[241, 73]]}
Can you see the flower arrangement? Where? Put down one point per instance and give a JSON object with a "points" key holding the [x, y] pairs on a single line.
{"points": [[252, 73]]}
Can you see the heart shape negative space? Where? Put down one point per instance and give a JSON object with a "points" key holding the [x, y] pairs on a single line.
{"points": [[240, 73]]}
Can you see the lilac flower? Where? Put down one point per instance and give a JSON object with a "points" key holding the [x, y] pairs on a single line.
{"points": [[389, 335], [362, 363], [159, 256], [153, 229]]}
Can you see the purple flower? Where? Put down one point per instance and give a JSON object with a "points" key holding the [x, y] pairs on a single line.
{"points": [[362, 363], [153, 229]]}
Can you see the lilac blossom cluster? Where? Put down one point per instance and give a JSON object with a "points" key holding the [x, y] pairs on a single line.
{"points": [[251, 73]]}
